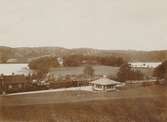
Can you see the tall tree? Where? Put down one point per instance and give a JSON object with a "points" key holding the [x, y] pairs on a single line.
{"points": [[160, 72], [88, 71]]}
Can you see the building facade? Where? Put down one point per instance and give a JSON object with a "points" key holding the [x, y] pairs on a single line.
{"points": [[104, 84], [12, 83]]}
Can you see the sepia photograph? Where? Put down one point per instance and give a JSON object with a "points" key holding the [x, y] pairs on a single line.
{"points": [[83, 61]]}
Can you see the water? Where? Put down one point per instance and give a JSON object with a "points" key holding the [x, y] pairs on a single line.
{"points": [[8, 69]]}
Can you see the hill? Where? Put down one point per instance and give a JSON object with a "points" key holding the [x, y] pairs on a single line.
{"points": [[23, 54]]}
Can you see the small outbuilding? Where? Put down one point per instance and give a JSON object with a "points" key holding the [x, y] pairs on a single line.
{"points": [[104, 84]]}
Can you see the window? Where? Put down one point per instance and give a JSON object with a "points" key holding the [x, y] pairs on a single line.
{"points": [[109, 87], [10, 86], [99, 86], [20, 85]]}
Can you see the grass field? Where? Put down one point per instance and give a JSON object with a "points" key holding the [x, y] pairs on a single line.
{"points": [[143, 104], [99, 70]]}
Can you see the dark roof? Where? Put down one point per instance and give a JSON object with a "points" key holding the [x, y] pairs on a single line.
{"points": [[14, 79]]}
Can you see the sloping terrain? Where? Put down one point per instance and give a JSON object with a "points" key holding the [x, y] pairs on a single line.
{"points": [[145, 104]]}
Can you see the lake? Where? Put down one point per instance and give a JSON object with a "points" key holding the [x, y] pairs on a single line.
{"points": [[8, 69]]}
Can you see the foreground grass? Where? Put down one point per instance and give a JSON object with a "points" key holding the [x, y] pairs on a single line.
{"points": [[143, 104], [117, 110]]}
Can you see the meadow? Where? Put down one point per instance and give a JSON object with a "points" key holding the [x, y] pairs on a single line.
{"points": [[99, 70], [144, 104]]}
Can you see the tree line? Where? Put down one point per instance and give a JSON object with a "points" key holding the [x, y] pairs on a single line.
{"points": [[77, 60], [127, 73], [160, 72], [43, 64]]}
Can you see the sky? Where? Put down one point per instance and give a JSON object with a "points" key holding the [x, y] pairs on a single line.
{"points": [[102, 24]]}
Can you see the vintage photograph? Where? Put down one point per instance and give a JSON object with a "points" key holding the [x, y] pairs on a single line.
{"points": [[83, 61]]}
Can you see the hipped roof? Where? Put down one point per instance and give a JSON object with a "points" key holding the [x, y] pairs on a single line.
{"points": [[105, 81]]}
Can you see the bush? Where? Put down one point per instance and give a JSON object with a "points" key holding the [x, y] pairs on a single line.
{"points": [[126, 73], [88, 71]]}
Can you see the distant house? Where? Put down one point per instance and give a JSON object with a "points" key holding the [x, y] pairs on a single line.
{"points": [[141, 82], [12, 82], [60, 61], [104, 84], [144, 64], [12, 60]]}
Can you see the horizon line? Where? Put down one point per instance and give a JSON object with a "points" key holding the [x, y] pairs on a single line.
{"points": [[130, 49]]}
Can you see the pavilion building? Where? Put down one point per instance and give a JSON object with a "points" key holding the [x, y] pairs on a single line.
{"points": [[104, 84]]}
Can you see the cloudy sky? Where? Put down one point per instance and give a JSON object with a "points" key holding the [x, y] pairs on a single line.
{"points": [[103, 24]]}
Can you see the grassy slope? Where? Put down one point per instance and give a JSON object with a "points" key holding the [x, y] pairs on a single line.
{"points": [[147, 104], [99, 70], [119, 110]]}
